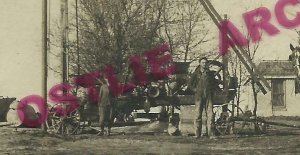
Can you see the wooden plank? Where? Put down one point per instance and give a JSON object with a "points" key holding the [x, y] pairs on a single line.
{"points": [[217, 23], [250, 71], [282, 124], [241, 49], [216, 19]]}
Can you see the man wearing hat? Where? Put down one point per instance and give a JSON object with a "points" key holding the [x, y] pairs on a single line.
{"points": [[201, 84]]}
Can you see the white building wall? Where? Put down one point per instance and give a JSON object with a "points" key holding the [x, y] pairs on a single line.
{"points": [[265, 109], [21, 63], [292, 101], [20, 48]]}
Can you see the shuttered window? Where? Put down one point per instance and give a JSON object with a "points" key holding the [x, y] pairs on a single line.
{"points": [[278, 98]]}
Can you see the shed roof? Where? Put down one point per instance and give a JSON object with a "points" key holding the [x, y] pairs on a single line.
{"points": [[276, 68]]}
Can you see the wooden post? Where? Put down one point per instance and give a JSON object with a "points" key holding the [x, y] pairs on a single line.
{"points": [[77, 38], [64, 39], [77, 44], [225, 76], [44, 55], [242, 55], [64, 46]]}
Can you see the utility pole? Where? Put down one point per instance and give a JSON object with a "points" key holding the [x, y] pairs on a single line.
{"points": [[44, 54], [225, 75], [77, 43], [77, 39], [64, 48], [64, 39]]}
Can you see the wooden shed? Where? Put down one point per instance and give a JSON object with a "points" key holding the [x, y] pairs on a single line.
{"points": [[284, 98]]}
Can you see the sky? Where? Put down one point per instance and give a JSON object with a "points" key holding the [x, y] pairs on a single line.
{"points": [[20, 41], [271, 47]]}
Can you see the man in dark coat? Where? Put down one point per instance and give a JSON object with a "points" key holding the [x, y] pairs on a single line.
{"points": [[202, 85]]}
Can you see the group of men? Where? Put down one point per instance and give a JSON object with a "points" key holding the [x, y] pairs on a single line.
{"points": [[201, 84]]}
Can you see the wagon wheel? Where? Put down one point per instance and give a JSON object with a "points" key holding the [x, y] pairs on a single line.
{"points": [[222, 123], [261, 125], [246, 120], [65, 125], [223, 127], [251, 123], [124, 118], [74, 125], [128, 118]]}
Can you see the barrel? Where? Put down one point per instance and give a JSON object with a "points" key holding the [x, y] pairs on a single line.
{"points": [[4, 107], [12, 115]]}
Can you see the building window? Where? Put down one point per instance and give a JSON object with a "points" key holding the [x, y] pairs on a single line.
{"points": [[278, 98]]}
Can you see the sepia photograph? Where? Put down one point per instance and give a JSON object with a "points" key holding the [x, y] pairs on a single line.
{"points": [[150, 77]]}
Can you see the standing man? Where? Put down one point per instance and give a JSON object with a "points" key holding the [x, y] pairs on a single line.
{"points": [[201, 84], [105, 107]]}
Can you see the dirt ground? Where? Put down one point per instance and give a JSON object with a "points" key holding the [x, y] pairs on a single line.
{"points": [[147, 139]]}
